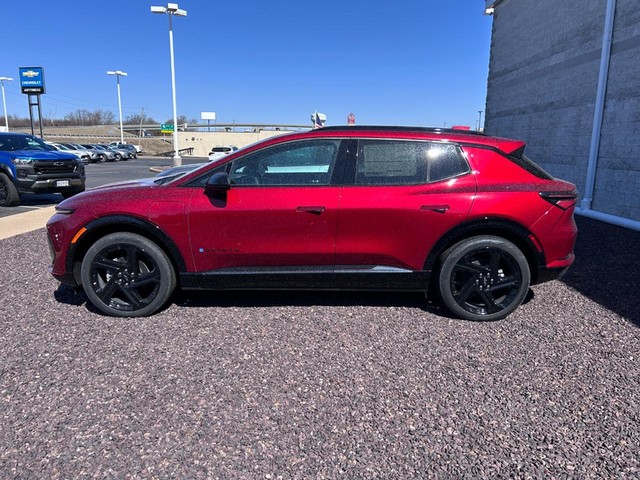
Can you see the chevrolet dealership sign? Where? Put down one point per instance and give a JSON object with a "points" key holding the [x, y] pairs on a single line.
{"points": [[32, 80]]}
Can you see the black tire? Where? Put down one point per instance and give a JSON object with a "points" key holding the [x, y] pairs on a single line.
{"points": [[9, 195], [483, 278], [118, 157], [127, 275], [102, 158]]}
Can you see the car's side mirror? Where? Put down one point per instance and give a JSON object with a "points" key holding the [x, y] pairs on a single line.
{"points": [[218, 185]]}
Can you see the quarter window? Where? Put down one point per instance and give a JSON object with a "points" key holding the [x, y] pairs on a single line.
{"points": [[388, 162]]}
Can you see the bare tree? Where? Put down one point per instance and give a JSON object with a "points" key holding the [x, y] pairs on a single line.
{"points": [[139, 119]]}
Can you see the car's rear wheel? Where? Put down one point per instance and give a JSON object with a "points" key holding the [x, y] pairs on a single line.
{"points": [[483, 278], [127, 275], [8, 192]]}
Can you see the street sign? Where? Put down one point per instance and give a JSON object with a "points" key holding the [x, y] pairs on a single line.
{"points": [[166, 128]]}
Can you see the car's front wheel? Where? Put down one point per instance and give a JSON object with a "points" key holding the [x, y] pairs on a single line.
{"points": [[483, 278], [127, 275], [9, 195]]}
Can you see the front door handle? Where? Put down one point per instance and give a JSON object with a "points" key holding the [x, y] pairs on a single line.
{"points": [[435, 208], [314, 210]]}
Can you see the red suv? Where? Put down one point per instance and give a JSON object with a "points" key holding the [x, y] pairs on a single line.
{"points": [[460, 214]]}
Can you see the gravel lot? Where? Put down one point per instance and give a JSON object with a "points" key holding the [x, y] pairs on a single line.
{"points": [[290, 385]]}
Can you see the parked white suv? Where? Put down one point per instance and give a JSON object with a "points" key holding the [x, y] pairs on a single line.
{"points": [[220, 151]]}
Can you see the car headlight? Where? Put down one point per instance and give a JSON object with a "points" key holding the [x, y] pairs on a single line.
{"points": [[64, 211], [22, 161]]}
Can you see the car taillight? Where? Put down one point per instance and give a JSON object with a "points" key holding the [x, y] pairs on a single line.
{"points": [[563, 200]]}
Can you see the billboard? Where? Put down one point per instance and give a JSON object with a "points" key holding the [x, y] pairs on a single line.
{"points": [[32, 80]]}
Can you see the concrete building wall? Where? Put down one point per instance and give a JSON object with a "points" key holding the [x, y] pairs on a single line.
{"points": [[203, 141], [543, 77]]}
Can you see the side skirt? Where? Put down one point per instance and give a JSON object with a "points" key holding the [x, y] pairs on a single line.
{"points": [[307, 278]]}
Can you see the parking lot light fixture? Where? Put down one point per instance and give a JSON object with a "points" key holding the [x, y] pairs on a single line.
{"points": [[4, 101], [172, 9], [118, 74]]}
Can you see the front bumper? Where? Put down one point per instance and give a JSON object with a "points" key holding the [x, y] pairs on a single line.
{"points": [[56, 184]]}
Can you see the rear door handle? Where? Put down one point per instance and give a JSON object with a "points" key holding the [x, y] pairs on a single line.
{"points": [[314, 210], [435, 208]]}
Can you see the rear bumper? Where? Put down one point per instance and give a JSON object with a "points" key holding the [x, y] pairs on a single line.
{"points": [[554, 270]]}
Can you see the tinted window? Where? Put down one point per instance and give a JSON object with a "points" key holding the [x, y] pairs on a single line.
{"points": [[11, 143], [529, 165], [397, 162], [445, 161], [299, 163]]}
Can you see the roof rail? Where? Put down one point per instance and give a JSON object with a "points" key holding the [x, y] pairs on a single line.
{"points": [[390, 128]]}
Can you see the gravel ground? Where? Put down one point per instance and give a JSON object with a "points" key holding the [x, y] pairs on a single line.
{"points": [[289, 385]]}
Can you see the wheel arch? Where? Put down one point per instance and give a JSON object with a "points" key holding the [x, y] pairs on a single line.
{"points": [[7, 170], [500, 227], [122, 223]]}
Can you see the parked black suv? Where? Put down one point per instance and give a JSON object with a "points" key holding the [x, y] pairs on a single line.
{"points": [[29, 165]]}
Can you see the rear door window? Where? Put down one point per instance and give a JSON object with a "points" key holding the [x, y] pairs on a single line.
{"points": [[400, 162]]}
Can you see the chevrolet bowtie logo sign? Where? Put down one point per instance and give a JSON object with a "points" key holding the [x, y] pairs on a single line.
{"points": [[30, 74], [32, 80]]}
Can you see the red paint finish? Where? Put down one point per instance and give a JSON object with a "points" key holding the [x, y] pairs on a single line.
{"points": [[337, 223], [264, 226]]}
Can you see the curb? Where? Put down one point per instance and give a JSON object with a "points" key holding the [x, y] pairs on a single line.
{"points": [[25, 222]]}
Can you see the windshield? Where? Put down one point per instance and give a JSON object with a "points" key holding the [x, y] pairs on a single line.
{"points": [[12, 143]]}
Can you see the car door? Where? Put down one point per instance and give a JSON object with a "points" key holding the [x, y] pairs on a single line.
{"points": [[280, 210], [404, 195]]}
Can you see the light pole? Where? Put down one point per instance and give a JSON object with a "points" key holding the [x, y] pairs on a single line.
{"points": [[4, 101], [479, 120], [118, 74], [172, 9]]}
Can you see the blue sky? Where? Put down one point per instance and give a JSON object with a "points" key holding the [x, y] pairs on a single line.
{"points": [[409, 62]]}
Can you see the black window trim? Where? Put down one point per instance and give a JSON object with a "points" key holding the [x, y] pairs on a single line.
{"points": [[351, 165], [337, 174]]}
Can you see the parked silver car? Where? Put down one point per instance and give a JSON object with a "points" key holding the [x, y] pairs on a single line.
{"points": [[104, 153], [64, 148], [90, 155], [123, 153]]}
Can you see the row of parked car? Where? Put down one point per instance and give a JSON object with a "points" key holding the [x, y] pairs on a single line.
{"points": [[98, 152]]}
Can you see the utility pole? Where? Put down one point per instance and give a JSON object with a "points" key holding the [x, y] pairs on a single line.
{"points": [[140, 131]]}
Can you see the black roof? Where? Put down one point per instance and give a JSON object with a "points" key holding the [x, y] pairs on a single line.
{"points": [[390, 128]]}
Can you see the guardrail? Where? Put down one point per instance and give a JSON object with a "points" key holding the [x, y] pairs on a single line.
{"points": [[170, 153]]}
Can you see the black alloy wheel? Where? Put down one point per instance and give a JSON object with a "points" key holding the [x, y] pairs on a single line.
{"points": [[484, 278], [127, 275], [9, 195]]}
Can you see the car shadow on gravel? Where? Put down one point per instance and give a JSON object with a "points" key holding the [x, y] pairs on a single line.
{"points": [[607, 267], [279, 298], [283, 298]]}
